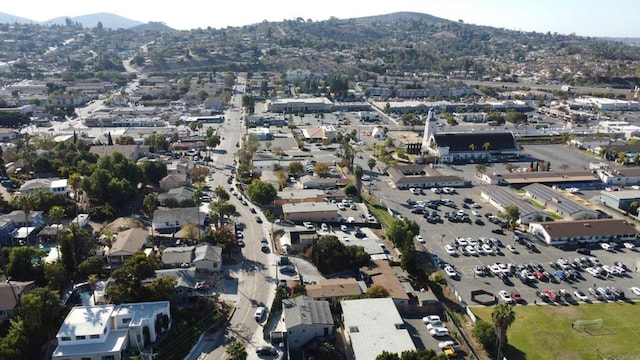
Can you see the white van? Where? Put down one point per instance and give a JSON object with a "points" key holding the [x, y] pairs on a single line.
{"points": [[260, 313]]}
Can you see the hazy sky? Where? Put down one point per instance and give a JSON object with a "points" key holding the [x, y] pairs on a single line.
{"points": [[617, 18]]}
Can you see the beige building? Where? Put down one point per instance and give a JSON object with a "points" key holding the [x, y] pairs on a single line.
{"points": [[334, 289], [311, 211]]}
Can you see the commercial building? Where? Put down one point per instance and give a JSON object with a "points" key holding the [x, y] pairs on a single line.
{"points": [[559, 203], [421, 176], [583, 179], [310, 211], [582, 232], [501, 198], [372, 326], [294, 106], [620, 200]]}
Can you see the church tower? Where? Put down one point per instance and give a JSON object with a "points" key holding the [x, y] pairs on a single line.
{"points": [[430, 129]]}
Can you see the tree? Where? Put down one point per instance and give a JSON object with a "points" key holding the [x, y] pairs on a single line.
{"points": [[221, 193], [236, 351], [199, 174], [358, 172], [497, 117], [485, 335], [472, 147], [486, 146], [503, 316], [127, 282], [261, 192], [512, 215], [481, 169], [385, 355], [377, 292], [321, 169], [402, 232], [350, 190], [295, 168], [220, 209], [93, 265], [330, 255], [56, 213], [371, 163], [27, 202], [149, 204]]}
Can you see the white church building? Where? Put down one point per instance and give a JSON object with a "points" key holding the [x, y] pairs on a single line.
{"points": [[468, 147]]}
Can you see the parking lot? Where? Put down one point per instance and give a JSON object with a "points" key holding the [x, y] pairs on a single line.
{"points": [[444, 232]]}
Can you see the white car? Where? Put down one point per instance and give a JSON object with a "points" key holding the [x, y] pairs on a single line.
{"points": [[445, 344], [450, 250], [635, 290], [581, 296], [461, 241], [439, 332], [435, 325], [476, 213], [504, 296], [512, 249], [420, 239], [487, 249], [365, 178], [436, 190], [431, 319], [451, 272], [471, 250], [476, 206], [344, 228], [308, 225]]}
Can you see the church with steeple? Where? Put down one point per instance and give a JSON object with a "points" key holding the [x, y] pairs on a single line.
{"points": [[467, 146]]}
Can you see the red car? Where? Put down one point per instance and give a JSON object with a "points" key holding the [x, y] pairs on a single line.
{"points": [[516, 296], [552, 294], [540, 276]]}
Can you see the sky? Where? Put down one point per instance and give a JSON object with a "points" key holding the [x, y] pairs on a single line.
{"points": [[612, 18]]}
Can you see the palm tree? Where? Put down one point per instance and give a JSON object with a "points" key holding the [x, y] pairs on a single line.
{"points": [[358, 173], [371, 163], [56, 213], [27, 202], [503, 316], [472, 147], [93, 282]]}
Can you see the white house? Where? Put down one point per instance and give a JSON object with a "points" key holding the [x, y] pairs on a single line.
{"points": [[167, 220], [105, 332], [53, 186], [306, 319]]}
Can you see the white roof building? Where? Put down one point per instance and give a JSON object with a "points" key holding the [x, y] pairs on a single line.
{"points": [[105, 331], [373, 326]]}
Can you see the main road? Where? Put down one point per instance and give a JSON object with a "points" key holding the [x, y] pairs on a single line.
{"points": [[254, 277]]}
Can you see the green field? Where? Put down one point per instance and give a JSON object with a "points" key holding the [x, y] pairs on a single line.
{"points": [[544, 332]]}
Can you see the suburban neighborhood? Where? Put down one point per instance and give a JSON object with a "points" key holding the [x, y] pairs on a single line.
{"points": [[151, 211]]}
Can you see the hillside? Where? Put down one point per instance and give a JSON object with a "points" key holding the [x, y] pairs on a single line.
{"points": [[108, 20]]}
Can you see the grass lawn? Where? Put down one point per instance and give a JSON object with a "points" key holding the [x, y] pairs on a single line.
{"points": [[544, 332]]}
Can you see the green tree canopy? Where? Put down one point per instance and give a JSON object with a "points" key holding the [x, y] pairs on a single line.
{"points": [[330, 255], [261, 192]]}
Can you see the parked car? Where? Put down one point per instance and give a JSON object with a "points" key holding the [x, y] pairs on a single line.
{"points": [[258, 219], [439, 332], [504, 296], [516, 296], [431, 319], [266, 350], [512, 249], [583, 251], [635, 290], [451, 272], [580, 295], [259, 314]]}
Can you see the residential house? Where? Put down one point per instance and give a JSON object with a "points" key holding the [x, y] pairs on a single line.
{"points": [[104, 332], [53, 186], [7, 227], [372, 326], [204, 257], [310, 211], [173, 181], [380, 273], [306, 319], [172, 220], [334, 290], [10, 294], [186, 283], [35, 218], [581, 232], [298, 241], [178, 194], [125, 244]]}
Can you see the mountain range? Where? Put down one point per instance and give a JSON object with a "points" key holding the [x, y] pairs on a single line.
{"points": [[108, 20]]}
